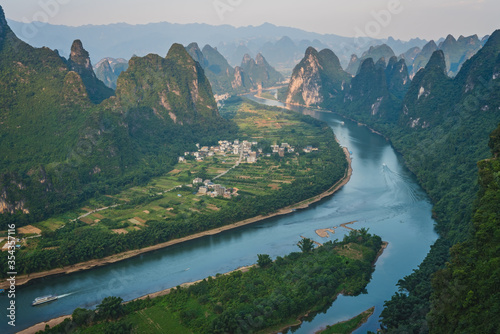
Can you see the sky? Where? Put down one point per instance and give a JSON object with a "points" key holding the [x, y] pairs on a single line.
{"points": [[402, 19]]}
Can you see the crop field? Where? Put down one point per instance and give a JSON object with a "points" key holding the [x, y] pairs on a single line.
{"points": [[174, 197]]}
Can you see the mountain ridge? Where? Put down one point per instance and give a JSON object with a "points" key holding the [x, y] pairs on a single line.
{"points": [[60, 148], [124, 40]]}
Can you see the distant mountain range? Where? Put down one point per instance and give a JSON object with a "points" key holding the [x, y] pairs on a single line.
{"points": [[281, 46], [108, 69], [456, 52]]}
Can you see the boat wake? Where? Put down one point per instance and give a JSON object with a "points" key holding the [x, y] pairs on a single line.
{"points": [[65, 295], [396, 181]]}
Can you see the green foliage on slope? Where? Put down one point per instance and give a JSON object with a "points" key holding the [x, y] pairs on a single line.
{"points": [[441, 127], [442, 149], [467, 292], [59, 148]]}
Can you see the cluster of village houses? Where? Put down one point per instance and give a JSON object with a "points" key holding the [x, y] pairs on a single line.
{"points": [[207, 187], [245, 152], [244, 149]]}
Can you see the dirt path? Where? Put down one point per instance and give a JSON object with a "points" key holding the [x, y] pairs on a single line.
{"points": [[23, 279], [94, 211]]}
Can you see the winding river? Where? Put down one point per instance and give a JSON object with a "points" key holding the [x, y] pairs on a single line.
{"points": [[382, 196]]}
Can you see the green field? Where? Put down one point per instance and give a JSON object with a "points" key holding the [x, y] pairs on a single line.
{"points": [[160, 200]]}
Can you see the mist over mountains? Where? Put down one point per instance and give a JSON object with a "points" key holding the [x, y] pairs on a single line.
{"points": [[124, 40]]}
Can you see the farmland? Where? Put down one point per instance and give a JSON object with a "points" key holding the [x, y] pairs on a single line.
{"points": [[170, 206]]}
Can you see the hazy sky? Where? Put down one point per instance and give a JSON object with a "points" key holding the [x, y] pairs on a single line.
{"points": [[403, 19]]}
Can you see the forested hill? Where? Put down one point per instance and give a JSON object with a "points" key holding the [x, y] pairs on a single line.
{"points": [[466, 296], [441, 127], [64, 139]]}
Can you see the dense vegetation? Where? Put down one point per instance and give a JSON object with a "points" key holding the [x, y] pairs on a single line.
{"points": [[441, 127], [79, 241], [467, 292], [444, 159], [267, 297]]}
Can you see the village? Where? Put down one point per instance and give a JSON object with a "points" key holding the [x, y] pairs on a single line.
{"points": [[231, 152], [245, 151]]}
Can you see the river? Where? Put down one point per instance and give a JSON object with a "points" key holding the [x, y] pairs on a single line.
{"points": [[382, 195]]}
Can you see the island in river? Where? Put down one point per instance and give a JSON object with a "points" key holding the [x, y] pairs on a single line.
{"points": [[270, 296]]}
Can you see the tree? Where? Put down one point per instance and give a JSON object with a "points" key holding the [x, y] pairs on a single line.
{"points": [[110, 308], [82, 316], [264, 260], [306, 245], [120, 327]]}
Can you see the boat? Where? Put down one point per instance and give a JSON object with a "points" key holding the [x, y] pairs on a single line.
{"points": [[43, 300]]}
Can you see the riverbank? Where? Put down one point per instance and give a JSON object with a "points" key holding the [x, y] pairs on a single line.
{"points": [[56, 321], [41, 326], [350, 325], [299, 321], [24, 279]]}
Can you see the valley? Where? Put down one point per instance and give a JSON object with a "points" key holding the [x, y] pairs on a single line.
{"points": [[132, 175]]}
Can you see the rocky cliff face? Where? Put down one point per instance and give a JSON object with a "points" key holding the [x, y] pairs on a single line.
{"points": [[376, 91], [217, 69], [317, 79], [195, 52], [422, 58], [105, 73], [368, 90], [456, 52], [79, 62], [409, 56], [162, 106], [305, 83], [251, 74], [482, 71], [398, 78], [239, 80], [9, 206]]}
